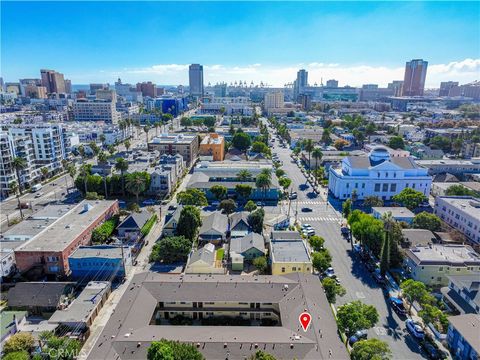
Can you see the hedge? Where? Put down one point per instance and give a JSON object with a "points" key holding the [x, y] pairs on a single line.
{"points": [[148, 225], [101, 234]]}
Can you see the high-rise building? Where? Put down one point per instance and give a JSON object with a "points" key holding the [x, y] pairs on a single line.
{"points": [[445, 87], [471, 90], [273, 100], [300, 83], [332, 83], [414, 80], [195, 77], [147, 89], [396, 86], [105, 94], [53, 81], [95, 87], [98, 110], [35, 92], [68, 86]]}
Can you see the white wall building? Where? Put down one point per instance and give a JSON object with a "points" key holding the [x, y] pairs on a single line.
{"points": [[378, 174], [273, 100], [462, 213], [96, 111]]}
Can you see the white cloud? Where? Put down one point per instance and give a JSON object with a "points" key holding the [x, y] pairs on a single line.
{"points": [[463, 71]]}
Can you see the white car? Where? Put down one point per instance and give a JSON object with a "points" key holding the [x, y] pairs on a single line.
{"points": [[304, 226], [308, 232]]}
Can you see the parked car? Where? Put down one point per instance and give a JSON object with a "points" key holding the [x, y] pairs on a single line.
{"points": [[345, 231], [307, 209], [329, 272], [357, 248], [359, 335], [23, 205], [308, 232], [293, 195], [172, 207], [378, 277], [397, 305], [306, 226], [415, 329], [149, 202], [38, 194], [433, 352], [122, 204]]}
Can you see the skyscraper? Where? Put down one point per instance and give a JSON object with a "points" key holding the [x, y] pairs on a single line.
{"points": [[300, 83], [53, 81], [414, 80], [445, 87], [195, 77]]}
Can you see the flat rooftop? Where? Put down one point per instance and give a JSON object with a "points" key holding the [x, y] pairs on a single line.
{"points": [[468, 325], [62, 232], [454, 255], [128, 333], [287, 248], [173, 139], [395, 211], [100, 251], [467, 204]]}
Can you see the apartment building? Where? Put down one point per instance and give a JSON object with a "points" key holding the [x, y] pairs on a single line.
{"points": [[462, 213], [97, 110], [289, 254], [172, 144], [241, 105], [212, 147], [434, 263], [50, 249], [273, 100]]}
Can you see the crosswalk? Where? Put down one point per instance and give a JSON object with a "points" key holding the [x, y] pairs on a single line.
{"points": [[319, 218], [309, 202]]}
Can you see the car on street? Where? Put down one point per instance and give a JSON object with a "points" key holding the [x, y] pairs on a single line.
{"points": [[306, 226], [329, 272], [433, 352], [378, 277], [293, 195], [172, 207], [149, 202], [415, 329], [357, 248], [259, 203], [23, 205], [306, 209], [308, 232], [345, 231], [397, 306], [359, 335]]}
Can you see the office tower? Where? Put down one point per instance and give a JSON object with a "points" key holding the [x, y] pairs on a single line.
{"points": [[95, 87], [147, 89], [35, 92], [414, 80], [53, 81], [273, 100], [300, 83], [471, 90], [195, 77], [445, 87], [396, 86], [68, 86], [332, 83]]}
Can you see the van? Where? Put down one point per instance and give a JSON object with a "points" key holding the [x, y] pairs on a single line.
{"points": [[36, 187]]}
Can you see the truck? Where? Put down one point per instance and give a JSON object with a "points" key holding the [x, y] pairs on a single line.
{"points": [[36, 187]]}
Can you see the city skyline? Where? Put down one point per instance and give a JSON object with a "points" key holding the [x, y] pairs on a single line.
{"points": [[355, 43]]}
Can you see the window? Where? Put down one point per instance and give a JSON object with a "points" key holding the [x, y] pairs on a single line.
{"points": [[283, 269], [363, 185], [385, 187], [377, 187], [294, 268], [393, 187], [413, 186]]}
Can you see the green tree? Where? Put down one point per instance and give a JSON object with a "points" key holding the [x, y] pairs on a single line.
{"points": [[339, 144], [431, 314], [122, 166], [244, 175], [83, 174], [186, 122], [192, 197], [326, 138], [146, 129], [261, 355], [17, 355], [332, 289], [285, 183], [136, 184], [21, 341], [316, 242], [413, 291], [171, 249], [440, 142], [372, 201], [260, 147], [13, 187], [371, 349], [241, 141], [279, 173], [396, 142], [127, 144], [263, 182], [356, 316], [19, 164], [427, 221], [44, 170], [346, 208], [189, 222], [410, 198], [243, 190], [94, 147], [255, 220], [228, 206], [102, 157], [250, 206], [260, 264], [172, 350], [309, 146], [219, 191], [321, 260], [460, 190], [367, 229]]}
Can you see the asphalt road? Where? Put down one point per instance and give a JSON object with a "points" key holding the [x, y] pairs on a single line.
{"points": [[352, 273]]}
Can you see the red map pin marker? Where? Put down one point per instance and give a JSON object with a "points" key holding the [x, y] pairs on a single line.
{"points": [[305, 320]]}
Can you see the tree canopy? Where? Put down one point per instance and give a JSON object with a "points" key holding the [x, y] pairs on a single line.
{"points": [[20, 341], [460, 190], [396, 142], [332, 289], [192, 197], [172, 350], [171, 249], [228, 206], [410, 198], [356, 316], [321, 260], [427, 221], [371, 349], [189, 222], [255, 220], [241, 141]]}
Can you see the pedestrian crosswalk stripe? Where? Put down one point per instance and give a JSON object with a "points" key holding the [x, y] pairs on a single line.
{"points": [[320, 218], [311, 202]]}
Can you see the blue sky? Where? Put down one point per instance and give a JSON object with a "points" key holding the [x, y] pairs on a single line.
{"points": [[99, 41]]}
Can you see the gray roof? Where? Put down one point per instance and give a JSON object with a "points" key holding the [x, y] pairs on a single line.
{"points": [[289, 251], [214, 221], [42, 294], [469, 286], [252, 240], [205, 254], [235, 218], [285, 235], [136, 219], [418, 237], [97, 251], [82, 307], [468, 326], [128, 333], [364, 162], [397, 212]]}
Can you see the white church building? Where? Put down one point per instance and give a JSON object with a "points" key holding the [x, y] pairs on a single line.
{"points": [[377, 174]]}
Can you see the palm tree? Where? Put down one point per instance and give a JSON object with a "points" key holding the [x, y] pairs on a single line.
{"points": [[157, 125], [122, 166], [19, 164], [72, 170], [81, 151], [244, 175], [146, 128], [317, 155], [102, 157], [84, 172], [309, 146], [267, 173], [14, 188], [44, 170], [263, 182], [136, 184], [127, 144]]}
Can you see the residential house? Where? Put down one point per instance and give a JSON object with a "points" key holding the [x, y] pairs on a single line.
{"points": [[463, 293], [289, 253], [250, 246], [397, 213], [130, 228], [203, 261], [214, 228], [417, 237], [239, 226], [462, 336]]}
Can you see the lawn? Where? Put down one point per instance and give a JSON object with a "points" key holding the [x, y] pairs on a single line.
{"points": [[220, 253]]}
